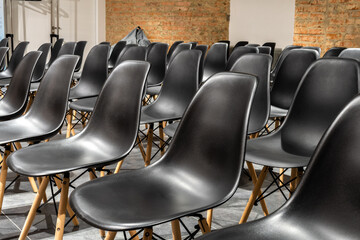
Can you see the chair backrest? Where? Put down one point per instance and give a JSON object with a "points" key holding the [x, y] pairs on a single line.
{"points": [[290, 72], [180, 47], [79, 51], [156, 56], [41, 63], [209, 144], [119, 46], [181, 81], [258, 65], [240, 44], [329, 190], [215, 60], [171, 50], [272, 46], [17, 56], [55, 50], [15, 99], [352, 53], [264, 49], [104, 43], [333, 52], [237, 53], [94, 73], [283, 54], [327, 86], [116, 115], [50, 104], [203, 49], [131, 52], [318, 49], [3, 51], [252, 45], [228, 48], [67, 49]]}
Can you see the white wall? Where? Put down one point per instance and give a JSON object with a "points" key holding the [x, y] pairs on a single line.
{"points": [[79, 20], [259, 21]]}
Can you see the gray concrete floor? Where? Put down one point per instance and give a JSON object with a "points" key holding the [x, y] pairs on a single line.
{"points": [[19, 197]]}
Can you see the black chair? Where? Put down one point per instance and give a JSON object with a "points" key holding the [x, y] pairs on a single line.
{"points": [[283, 54], [45, 117], [237, 53], [228, 49], [198, 171], [14, 103], [290, 72], [93, 77], [325, 204], [179, 87], [155, 90], [156, 56], [104, 43], [3, 53], [240, 44], [79, 51], [108, 138], [67, 49], [130, 52], [55, 51], [171, 50], [352, 53], [333, 52], [193, 45], [215, 60], [264, 49], [15, 59], [272, 46], [203, 49], [326, 87], [3, 43], [119, 46]]}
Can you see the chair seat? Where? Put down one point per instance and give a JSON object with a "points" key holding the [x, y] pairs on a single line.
{"points": [[278, 112], [23, 129], [268, 151], [76, 93], [153, 90], [165, 194], [5, 74], [80, 151], [84, 104], [171, 128], [150, 114]]}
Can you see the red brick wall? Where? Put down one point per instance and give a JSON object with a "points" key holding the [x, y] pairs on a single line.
{"points": [[327, 23], [204, 21]]}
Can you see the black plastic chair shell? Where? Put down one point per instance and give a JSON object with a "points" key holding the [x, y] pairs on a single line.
{"points": [[333, 52], [67, 49], [272, 46], [352, 53], [240, 44], [179, 48], [203, 49], [171, 50], [131, 52], [14, 60], [212, 166], [119, 46], [237, 53], [39, 70], [55, 51], [325, 204], [94, 73], [215, 60], [156, 56], [264, 49], [79, 51]]}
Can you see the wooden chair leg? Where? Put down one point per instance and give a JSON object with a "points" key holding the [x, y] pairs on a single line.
{"points": [[3, 175], [254, 180], [209, 214], [293, 183], [141, 147], [281, 171], [132, 234], [69, 123], [175, 226], [204, 227], [110, 235], [71, 213], [33, 184], [39, 179], [60, 222], [162, 137], [118, 167], [148, 234], [31, 215], [149, 144], [73, 118], [254, 194]]}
